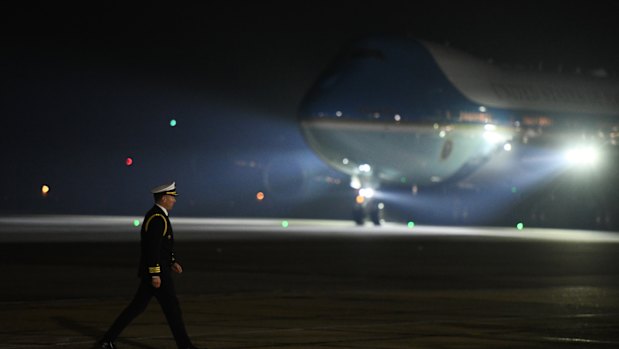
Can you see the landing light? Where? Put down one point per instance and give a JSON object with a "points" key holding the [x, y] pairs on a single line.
{"points": [[365, 168], [366, 192], [491, 135], [355, 182], [582, 156]]}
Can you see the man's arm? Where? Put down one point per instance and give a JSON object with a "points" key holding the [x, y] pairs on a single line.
{"points": [[177, 268], [155, 229]]}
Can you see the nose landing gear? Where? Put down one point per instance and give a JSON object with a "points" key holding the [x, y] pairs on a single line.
{"points": [[368, 209]]}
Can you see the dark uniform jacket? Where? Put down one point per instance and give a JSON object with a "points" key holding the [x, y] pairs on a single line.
{"points": [[157, 243]]}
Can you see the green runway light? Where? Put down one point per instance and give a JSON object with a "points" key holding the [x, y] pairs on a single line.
{"points": [[520, 226], [136, 223], [284, 224], [173, 122], [514, 190], [411, 224]]}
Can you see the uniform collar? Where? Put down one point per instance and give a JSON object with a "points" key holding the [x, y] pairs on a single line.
{"points": [[162, 209]]}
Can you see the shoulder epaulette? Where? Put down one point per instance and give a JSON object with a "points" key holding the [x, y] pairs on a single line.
{"points": [[165, 222]]}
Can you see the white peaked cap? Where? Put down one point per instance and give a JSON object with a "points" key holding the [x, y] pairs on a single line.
{"points": [[168, 188]]}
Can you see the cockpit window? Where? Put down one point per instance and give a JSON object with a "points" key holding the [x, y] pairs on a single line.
{"points": [[355, 54], [344, 60], [366, 53]]}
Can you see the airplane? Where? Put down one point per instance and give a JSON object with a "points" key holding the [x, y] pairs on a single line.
{"points": [[401, 112]]}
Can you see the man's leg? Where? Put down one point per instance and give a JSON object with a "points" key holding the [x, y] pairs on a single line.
{"points": [[136, 307], [166, 295]]}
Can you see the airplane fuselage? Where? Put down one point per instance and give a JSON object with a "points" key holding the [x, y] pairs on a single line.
{"points": [[419, 113]]}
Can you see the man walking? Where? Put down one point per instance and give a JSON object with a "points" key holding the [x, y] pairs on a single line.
{"points": [[157, 262]]}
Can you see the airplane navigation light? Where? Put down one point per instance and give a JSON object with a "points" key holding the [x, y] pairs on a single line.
{"points": [[360, 199]]}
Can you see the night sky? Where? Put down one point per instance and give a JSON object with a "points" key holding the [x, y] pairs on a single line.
{"points": [[84, 88]]}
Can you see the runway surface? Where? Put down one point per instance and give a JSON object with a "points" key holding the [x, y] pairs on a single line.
{"points": [[313, 284]]}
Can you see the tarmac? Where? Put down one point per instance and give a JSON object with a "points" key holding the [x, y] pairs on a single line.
{"points": [[327, 287]]}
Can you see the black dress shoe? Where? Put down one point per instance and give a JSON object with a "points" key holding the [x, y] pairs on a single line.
{"points": [[107, 345]]}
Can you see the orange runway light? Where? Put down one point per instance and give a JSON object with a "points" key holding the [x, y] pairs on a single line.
{"points": [[44, 190]]}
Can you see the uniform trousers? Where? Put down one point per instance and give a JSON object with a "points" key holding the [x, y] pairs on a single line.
{"points": [[166, 296]]}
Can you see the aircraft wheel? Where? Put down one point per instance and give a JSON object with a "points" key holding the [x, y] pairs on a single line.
{"points": [[358, 214], [376, 213]]}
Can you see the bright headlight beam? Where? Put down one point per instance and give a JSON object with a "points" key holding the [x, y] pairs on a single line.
{"points": [[583, 155]]}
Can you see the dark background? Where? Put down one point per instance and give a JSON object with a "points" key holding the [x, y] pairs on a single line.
{"points": [[83, 87]]}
